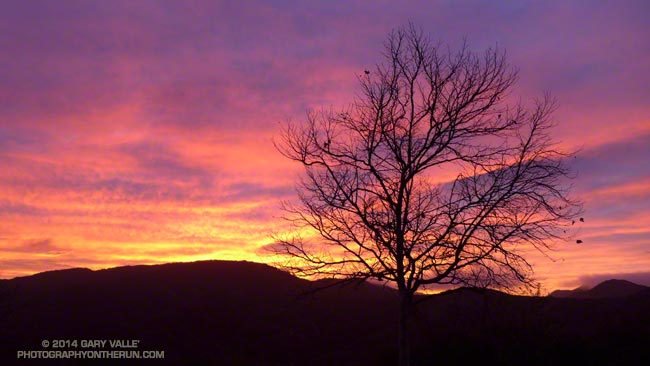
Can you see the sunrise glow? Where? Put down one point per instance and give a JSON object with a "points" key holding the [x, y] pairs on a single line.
{"points": [[148, 138]]}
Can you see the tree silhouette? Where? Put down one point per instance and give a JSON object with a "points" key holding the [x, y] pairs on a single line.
{"points": [[429, 177]]}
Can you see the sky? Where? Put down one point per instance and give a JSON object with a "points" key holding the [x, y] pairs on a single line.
{"points": [[141, 132]]}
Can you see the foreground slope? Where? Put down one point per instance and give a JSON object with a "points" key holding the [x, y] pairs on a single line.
{"points": [[240, 313]]}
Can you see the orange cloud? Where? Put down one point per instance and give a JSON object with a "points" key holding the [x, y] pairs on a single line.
{"points": [[147, 139]]}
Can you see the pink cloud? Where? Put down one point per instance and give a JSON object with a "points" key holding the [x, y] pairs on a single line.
{"points": [[124, 123]]}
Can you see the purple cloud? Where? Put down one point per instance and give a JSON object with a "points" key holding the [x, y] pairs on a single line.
{"points": [[108, 108]]}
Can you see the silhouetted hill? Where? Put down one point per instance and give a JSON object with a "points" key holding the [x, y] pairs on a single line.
{"points": [[569, 293], [241, 313], [606, 289]]}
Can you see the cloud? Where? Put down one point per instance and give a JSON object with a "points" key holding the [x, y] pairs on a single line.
{"points": [[19, 139], [251, 191], [614, 163], [15, 208], [613, 179], [158, 162], [35, 246], [123, 123]]}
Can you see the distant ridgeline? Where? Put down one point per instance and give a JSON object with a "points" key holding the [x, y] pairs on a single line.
{"points": [[606, 289]]}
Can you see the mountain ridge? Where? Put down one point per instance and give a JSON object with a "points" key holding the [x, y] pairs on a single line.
{"points": [[242, 313], [605, 289], [612, 288]]}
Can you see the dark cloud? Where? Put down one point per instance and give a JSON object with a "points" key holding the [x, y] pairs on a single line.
{"points": [[133, 190], [8, 207], [249, 191], [19, 139], [614, 163], [34, 246], [258, 215], [160, 174], [611, 177], [158, 162], [269, 249], [99, 190], [617, 238]]}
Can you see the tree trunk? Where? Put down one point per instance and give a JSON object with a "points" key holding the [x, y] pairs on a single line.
{"points": [[403, 331]]}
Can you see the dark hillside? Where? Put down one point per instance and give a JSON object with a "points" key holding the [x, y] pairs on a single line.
{"points": [[241, 313]]}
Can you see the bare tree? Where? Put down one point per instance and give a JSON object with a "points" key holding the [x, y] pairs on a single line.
{"points": [[428, 177]]}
